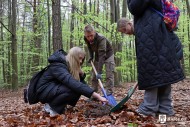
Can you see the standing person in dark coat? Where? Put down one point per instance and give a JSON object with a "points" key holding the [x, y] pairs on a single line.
{"points": [[158, 53], [101, 52], [60, 84]]}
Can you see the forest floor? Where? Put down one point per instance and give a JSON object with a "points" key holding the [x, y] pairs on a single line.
{"points": [[15, 113]]}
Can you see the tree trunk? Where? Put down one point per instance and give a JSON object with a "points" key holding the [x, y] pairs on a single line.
{"points": [[115, 45], [112, 12], [85, 10], [57, 29], [97, 11], [124, 8], [22, 47], [188, 7], [49, 29], [107, 13], [72, 24], [37, 38], [95, 7], [14, 48], [8, 75], [90, 5], [117, 13], [1, 38]]}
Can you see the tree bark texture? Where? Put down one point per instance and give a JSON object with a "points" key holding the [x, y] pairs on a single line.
{"points": [[57, 29], [14, 48]]}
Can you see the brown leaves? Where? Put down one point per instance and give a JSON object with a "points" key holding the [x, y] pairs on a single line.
{"points": [[103, 120], [14, 112]]}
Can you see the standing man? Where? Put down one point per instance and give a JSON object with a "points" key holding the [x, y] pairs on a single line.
{"points": [[101, 52]]}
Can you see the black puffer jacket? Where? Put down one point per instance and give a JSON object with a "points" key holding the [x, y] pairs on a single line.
{"points": [[178, 45], [57, 86], [157, 60]]}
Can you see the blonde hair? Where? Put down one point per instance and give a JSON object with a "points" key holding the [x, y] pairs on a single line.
{"points": [[121, 23], [74, 61], [88, 28]]}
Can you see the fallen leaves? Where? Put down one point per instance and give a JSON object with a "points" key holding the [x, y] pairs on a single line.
{"points": [[14, 112]]}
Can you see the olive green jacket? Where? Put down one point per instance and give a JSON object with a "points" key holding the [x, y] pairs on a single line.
{"points": [[102, 49]]}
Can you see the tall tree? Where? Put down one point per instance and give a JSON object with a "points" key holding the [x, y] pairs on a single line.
{"points": [[107, 13], [113, 10], [72, 25], [124, 8], [37, 37], [97, 11], [188, 27], [22, 43], [117, 46], [14, 48], [57, 29], [117, 16], [8, 75], [188, 7], [49, 29], [90, 5], [1, 39], [85, 10]]}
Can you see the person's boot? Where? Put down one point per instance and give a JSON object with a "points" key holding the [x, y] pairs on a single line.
{"points": [[49, 110], [53, 113]]}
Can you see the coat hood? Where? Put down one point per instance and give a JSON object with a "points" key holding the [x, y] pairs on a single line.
{"points": [[58, 57]]}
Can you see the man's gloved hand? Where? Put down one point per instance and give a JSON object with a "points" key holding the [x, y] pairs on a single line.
{"points": [[82, 76], [90, 59], [99, 76]]}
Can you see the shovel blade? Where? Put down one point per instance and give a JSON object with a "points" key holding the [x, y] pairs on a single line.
{"points": [[111, 100], [124, 100]]}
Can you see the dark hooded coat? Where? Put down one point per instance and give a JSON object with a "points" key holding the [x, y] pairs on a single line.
{"points": [[57, 86], [157, 61]]}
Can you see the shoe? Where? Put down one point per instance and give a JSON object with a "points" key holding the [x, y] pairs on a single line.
{"points": [[143, 114], [53, 113], [47, 108]]}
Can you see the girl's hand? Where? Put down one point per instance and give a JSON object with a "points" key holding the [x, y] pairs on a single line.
{"points": [[100, 98], [103, 99]]}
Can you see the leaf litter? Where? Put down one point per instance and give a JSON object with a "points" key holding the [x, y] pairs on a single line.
{"points": [[15, 113]]}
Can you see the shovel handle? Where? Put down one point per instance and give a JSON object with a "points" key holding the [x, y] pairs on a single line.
{"points": [[100, 83], [136, 85]]}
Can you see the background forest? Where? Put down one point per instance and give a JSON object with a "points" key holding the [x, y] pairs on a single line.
{"points": [[31, 30]]}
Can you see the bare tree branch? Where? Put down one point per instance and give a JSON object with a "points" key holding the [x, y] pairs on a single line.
{"points": [[29, 2], [81, 13], [6, 28]]}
